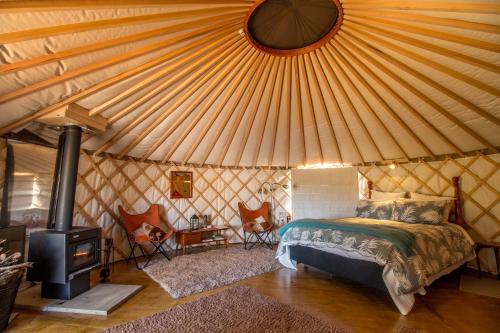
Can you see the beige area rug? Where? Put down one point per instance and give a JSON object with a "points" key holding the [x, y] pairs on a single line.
{"points": [[239, 309], [483, 287], [189, 274]]}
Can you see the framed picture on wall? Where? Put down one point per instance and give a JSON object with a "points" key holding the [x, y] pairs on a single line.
{"points": [[181, 184]]}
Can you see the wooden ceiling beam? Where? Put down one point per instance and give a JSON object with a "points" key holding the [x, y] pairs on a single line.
{"points": [[53, 5], [386, 106], [109, 62], [191, 60], [310, 106], [447, 70], [459, 7], [288, 113], [267, 111], [205, 100], [216, 73], [250, 78], [400, 99], [210, 59], [295, 63], [435, 34], [277, 117], [417, 93], [410, 17], [182, 75], [353, 58], [353, 33], [24, 35], [366, 105], [324, 108], [84, 93], [264, 66], [315, 82], [349, 102], [255, 108], [48, 58], [423, 45]]}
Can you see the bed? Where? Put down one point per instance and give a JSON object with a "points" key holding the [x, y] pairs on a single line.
{"points": [[401, 248]]}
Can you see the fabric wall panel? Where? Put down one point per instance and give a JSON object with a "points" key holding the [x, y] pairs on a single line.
{"points": [[105, 182]]}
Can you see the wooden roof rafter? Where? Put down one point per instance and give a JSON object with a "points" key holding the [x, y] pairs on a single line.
{"points": [[429, 102], [213, 92], [182, 97], [210, 59]]}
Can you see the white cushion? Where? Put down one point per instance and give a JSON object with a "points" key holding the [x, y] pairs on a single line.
{"points": [[260, 219], [420, 196], [376, 195]]}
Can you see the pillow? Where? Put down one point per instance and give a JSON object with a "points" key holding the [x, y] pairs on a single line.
{"points": [[376, 195], [416, 211], [259, 224], [448, 209], [420, 196], [153, 233], [379, 210]]}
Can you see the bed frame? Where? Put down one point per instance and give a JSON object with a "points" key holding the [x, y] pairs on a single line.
{"points": [[363, 272]]}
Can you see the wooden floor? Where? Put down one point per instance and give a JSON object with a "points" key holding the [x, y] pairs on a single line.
{"points": [[443, 309]]}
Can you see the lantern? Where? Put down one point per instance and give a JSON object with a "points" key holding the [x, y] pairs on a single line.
{"points": [[194, 222]]}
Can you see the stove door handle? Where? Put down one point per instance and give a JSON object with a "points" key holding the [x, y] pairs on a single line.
{"points": [[73, 275]]}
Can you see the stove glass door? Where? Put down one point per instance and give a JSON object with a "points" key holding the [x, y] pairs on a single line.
{"points": [[83, 254]]}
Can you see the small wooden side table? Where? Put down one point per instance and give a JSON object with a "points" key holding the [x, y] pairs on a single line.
{"points": [[187, 237], [486, 245]]}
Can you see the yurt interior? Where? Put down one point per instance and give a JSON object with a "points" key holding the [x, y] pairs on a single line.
{"points": [[250, 166]]}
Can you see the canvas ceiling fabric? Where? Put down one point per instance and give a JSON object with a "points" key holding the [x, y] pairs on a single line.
{"points": [[180, 82]]}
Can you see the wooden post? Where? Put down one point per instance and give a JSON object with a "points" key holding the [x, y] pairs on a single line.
{"points": [[458, 202]]}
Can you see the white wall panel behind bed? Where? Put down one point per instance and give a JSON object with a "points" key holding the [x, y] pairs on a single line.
{"points": [[324, 193]]}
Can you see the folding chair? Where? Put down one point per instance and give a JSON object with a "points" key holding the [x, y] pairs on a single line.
{"points": [[136, 237], [257, 223]]}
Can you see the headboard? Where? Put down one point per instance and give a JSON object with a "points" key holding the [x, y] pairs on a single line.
{"points": [[459, 219]]}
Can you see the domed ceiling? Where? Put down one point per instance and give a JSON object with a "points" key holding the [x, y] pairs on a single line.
{"points": [[235, 84]]}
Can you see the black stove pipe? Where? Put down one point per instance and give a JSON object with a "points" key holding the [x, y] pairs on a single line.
{"points": [[51, 221], [62, 202]]}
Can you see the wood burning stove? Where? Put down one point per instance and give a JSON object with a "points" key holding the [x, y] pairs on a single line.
{"points": [[63, 255], [63, 259]]}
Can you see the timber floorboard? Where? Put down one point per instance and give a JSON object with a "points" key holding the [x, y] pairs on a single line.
{"points": [[443, 309]]}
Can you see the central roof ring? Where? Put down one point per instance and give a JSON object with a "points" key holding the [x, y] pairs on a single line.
{"points": [[292, 27]]}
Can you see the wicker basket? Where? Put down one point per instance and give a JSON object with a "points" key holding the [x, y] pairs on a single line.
{"points": [[8, 294]]}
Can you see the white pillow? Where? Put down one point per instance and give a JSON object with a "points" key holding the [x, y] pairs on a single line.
{"points": [[376, 195], [420, 196], [260, 219]]}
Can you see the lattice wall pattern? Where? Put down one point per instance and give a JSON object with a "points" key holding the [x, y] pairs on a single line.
{"points": [[106, 182], [480, 184]]}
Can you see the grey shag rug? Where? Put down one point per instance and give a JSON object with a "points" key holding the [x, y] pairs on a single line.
{"points": [[189, 274], [240, 309]]}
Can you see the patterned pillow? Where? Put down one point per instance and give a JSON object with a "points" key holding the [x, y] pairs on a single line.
{"points": [[379, 210], [425, 212], [259, 224], [149, 231]]}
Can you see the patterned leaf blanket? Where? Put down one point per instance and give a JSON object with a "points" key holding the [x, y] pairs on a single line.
{"points": [[402, 239], [436, 249]]}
